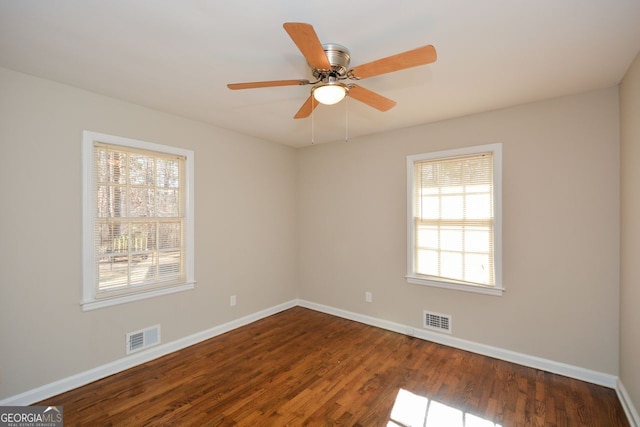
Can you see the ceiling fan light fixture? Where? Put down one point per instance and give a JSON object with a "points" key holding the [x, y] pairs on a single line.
{"points": [[329, 93]]}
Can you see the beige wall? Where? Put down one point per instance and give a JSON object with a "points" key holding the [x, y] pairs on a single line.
{"points": [[630, 244], [44, 335], [561, 229]]}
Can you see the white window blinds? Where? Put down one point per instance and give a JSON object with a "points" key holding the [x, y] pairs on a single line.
{"points": [[453, 219], [139, 222]]}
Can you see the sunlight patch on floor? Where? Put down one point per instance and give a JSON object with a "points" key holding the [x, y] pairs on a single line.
{"points": [[412, 410]]}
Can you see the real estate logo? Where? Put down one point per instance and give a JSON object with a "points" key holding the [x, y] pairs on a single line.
{"points": [[31, 416]]}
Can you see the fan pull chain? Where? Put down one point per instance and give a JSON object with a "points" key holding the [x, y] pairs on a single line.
{"points": [[346, 119], [313, 141]]}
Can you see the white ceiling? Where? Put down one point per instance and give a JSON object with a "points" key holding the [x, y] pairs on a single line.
{"points": [[178, 55]]}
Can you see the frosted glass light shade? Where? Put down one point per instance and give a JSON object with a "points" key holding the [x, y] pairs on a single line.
{"points": [[329, 94]]}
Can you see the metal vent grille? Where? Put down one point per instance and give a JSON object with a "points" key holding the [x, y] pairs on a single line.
{"points": [[136, 341], [437, 322], [143, 338]]}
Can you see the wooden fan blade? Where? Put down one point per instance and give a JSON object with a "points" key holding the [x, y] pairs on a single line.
{"points": [[412, 58], [305, 111], [305, 37], [371, 98], [253, 85]]}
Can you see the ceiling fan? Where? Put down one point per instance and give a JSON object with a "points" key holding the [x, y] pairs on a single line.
{"points": [[330, 66]]}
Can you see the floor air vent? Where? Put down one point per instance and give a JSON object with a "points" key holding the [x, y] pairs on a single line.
{"points": [[437, 322], [139, 340]]}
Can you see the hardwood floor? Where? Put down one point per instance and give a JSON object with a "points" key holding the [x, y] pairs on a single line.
{"points": [[301, 367]]}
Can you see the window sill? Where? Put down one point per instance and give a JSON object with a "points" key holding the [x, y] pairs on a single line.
{"points": [[455, 286], [96, 303]]}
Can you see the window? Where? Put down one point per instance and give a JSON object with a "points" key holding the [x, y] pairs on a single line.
{"points": [[138, 220], [454, 219]]}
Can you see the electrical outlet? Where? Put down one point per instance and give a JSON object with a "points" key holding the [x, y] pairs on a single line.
{"points": [[233, 300], [368, 296]]}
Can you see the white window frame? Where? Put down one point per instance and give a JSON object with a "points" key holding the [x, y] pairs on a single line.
{"points": [[412, 277], [90, 299]]}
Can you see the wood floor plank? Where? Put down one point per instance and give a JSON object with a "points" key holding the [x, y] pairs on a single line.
{"points": [[305, 368]]}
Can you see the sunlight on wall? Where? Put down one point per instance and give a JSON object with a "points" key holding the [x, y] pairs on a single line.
{"points": [[412, 410]]}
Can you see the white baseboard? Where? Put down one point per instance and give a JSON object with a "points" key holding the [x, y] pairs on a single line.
{"points": [[78, 380], [627, 405], [582, 374]]}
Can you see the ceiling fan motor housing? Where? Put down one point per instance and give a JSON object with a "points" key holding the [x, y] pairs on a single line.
{"points": [[339, 57]]}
